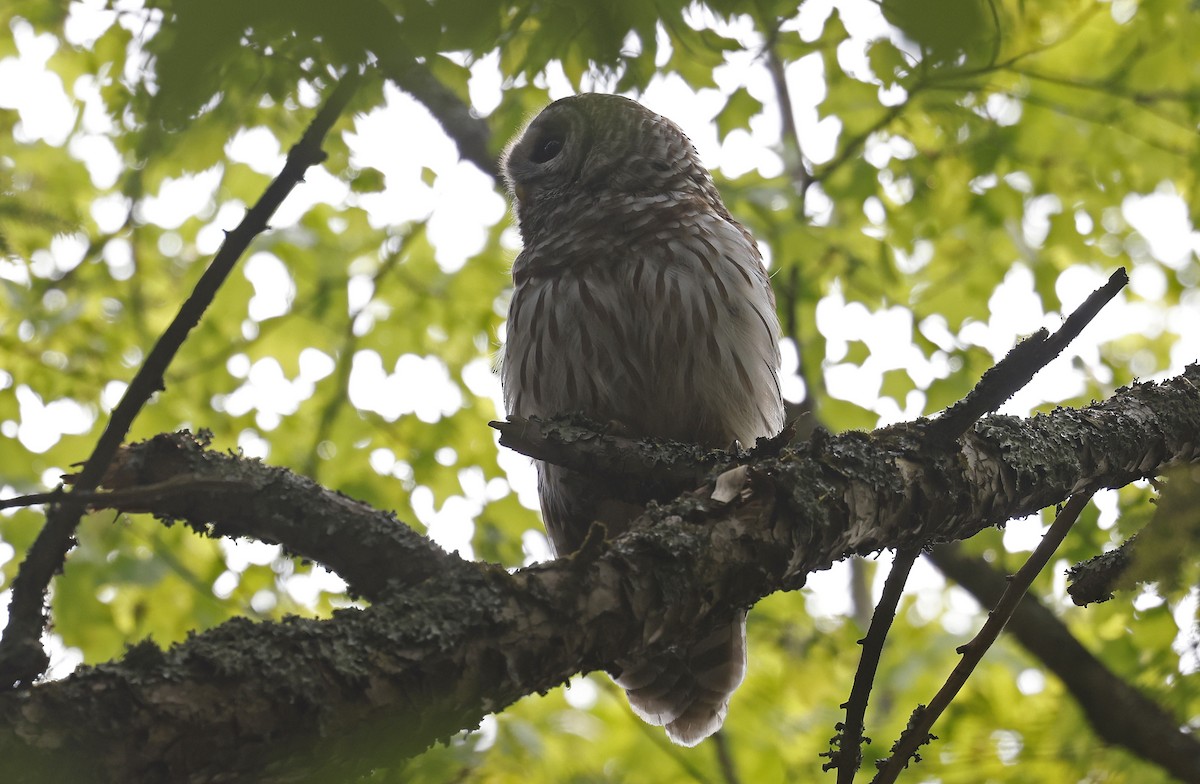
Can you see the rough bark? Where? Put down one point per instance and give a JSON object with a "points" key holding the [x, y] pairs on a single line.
{"points": [[285, 701]]}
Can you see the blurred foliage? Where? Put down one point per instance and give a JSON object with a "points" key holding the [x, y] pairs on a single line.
{"points": [[975, 140], [1163, 551]]}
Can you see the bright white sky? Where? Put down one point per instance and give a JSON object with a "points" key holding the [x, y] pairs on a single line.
{"points": [[401, 138]]}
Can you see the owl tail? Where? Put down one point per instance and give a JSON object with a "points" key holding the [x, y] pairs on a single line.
{"points": [[687, 692]]}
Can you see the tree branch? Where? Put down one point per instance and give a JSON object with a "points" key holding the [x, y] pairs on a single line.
{"points": [[1118, 712], [635, 468], [262, 701], [1095, 579], [21, 656], [916, 734], [1161, 552], [218, 494], [1020, 365], [796, 162], [469, 133], [847, 757]]}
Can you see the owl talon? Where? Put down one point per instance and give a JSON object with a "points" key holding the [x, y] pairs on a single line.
{"points": [[615, 427], [593, 542]]}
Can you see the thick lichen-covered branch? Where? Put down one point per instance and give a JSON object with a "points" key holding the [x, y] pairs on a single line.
{"points": [[174, 476], [262, 701]]}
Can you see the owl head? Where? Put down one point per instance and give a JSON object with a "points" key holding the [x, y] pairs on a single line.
{"points": [[583, 151]]}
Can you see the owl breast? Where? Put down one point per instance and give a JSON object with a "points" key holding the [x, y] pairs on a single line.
{"points": [[670, 330]]}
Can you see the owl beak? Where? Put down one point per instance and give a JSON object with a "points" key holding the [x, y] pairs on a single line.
{"points": [[519, 193]]}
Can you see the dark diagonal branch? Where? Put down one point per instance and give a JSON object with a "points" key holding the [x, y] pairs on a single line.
{"points": [[469, 133], [1118, 712], [1013, 372], [916, 734], [847, 757], [21, 656]]}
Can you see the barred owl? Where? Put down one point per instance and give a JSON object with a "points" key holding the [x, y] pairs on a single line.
{"points": [[639, 300]]}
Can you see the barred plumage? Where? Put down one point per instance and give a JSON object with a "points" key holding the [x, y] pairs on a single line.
{"points": [[638, 299]]}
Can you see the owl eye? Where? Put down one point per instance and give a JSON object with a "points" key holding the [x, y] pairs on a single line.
{"points": [[546, 148]]}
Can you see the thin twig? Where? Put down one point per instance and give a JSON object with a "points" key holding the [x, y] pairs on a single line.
{"points": [[856, 143], [131, 499], [32, 499], [1108, 88], [1117, 710], [21, 656], [725, 757], [848, 756], [923, 718], [340, 380], [1013, 372], [1110, 121], [797, 164]]}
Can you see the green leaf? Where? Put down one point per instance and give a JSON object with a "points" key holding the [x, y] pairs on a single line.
{"points": [[896, 385], [945, 28], [887, 62], [369, 180], [844, 415], [739, 108]]}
